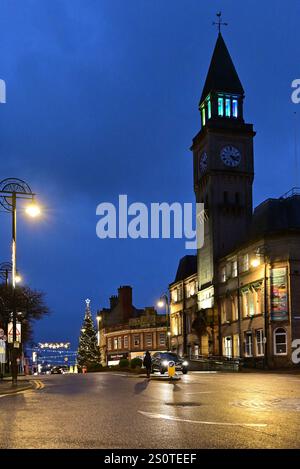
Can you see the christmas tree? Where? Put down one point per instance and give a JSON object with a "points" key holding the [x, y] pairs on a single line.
{"points": [[88, 351]]}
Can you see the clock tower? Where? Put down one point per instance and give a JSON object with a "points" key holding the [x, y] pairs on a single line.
{"points": [[223, 168]]}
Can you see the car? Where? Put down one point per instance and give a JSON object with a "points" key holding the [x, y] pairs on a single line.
{"points": [[161, 360], [56, 370]]}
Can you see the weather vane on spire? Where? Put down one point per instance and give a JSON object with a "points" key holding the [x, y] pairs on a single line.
{"points": [[219, 21]]}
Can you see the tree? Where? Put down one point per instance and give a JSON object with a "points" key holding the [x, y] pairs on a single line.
{"points": [[30, 306], [88, 351]]}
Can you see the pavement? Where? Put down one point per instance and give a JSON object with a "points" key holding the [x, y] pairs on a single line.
{"points": [[22, 385], [120, 410]]}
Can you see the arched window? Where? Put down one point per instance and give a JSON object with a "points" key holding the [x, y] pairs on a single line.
{"points": [[280, 341]]}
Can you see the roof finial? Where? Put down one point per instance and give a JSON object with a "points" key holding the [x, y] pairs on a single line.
{"points": [[219, 23]]}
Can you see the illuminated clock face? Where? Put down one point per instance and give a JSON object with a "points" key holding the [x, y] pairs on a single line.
{"points": [[203, 162], [230, 156]]}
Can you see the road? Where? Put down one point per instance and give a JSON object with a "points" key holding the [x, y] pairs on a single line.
{"points": [[111, 410]]}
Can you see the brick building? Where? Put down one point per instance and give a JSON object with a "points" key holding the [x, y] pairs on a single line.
{"points": [[125, 331]]}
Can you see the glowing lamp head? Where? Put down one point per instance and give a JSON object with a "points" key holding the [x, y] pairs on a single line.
{"points": [[18, 278], [255, 262], [33, 210], [160, 304], [169, 333]]}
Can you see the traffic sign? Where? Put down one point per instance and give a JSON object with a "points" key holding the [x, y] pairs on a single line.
{"points": [[10, 332]]}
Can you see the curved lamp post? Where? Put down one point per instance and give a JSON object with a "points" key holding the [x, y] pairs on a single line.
{"points": [[164, 301], [12, 189]]}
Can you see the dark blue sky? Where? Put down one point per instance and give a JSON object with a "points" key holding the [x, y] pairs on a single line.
{"points": [[102, 100]]}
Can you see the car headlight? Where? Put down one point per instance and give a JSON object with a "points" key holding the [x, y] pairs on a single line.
{"points": [[185, 363], [165, 363]]}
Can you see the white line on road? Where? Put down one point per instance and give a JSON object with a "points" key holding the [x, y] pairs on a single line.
{"points": [[200, 392], [201, 422], [203, 372], [117, 374]]}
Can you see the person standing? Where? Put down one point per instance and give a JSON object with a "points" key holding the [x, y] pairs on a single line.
{"points": [[148, 363]]}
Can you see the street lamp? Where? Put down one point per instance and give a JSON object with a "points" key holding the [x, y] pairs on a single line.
{"points": [[255, 262], [12, 189], [164, 301]]}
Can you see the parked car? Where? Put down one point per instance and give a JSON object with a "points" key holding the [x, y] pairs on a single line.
{"points": [[160, 362]]}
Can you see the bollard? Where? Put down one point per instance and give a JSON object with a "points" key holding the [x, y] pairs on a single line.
{"points": [[171, 369]]}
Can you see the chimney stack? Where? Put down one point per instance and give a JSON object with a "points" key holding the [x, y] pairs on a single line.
{"points": [[125, 301]]}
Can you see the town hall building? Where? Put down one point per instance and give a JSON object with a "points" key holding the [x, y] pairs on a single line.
{"points": [[248, 270]]}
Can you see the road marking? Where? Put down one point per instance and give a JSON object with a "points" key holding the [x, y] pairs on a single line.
{"points": [[203, 372], [201, 422], [200, 392], [117, 374], [38, 384]]}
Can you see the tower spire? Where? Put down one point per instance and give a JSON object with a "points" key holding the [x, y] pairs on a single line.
{"points": [[219, 22]]}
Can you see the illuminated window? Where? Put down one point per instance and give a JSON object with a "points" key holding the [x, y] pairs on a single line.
{"points": [[227, 107], [245, 263], [234, 108], [125, 341], [248, 304], [109, 344], [209, 109], [119, 342], [174, 296], [220, 107], [203, 116], [227, 347], [115, 343], [136, 340], [234, 269]]}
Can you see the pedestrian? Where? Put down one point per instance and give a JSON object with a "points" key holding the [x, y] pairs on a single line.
{"points": [[148, 363]]}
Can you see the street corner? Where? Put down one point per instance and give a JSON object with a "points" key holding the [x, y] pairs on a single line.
{"points": [[6, 388]]}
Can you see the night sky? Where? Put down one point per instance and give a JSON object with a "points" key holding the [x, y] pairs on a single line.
{"points": [[102, 100]]}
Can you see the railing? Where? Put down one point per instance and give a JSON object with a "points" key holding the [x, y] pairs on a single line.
{"points": [[291, 193], [216, 363]]}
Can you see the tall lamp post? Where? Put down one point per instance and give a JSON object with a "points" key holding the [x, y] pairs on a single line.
{"points": [[12, 189], [164, 301]]}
